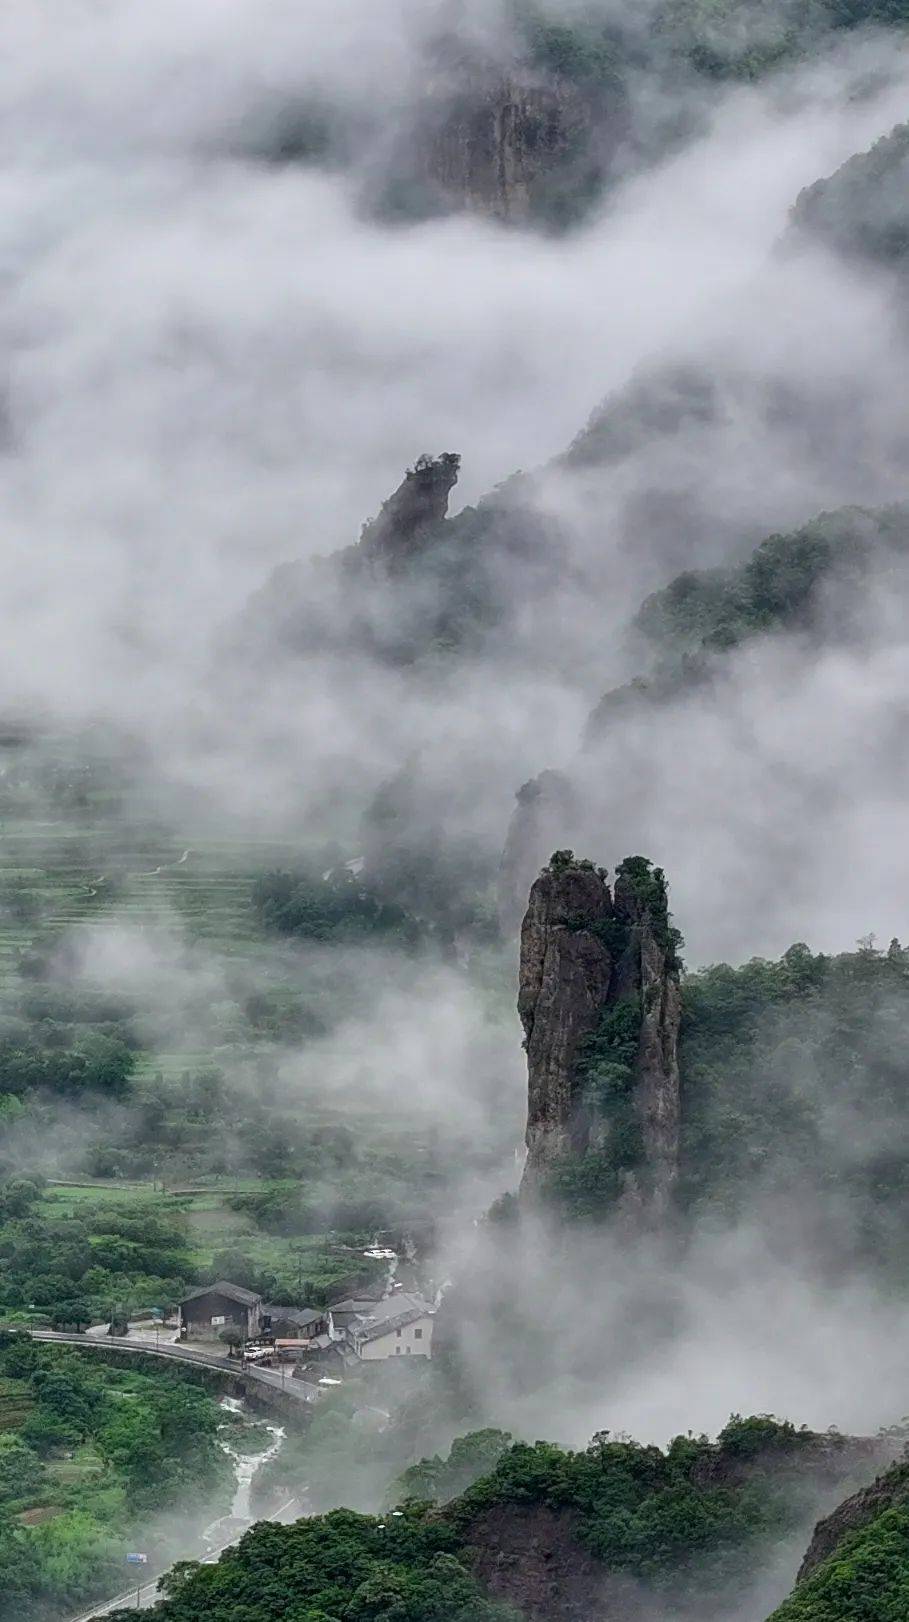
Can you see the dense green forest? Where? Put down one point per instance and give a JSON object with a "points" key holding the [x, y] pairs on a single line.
{"points": [[794, 1078], [346, 1564], [720, 38], [92, 1457], [791, 582], [862, 210], [690, 1523]]}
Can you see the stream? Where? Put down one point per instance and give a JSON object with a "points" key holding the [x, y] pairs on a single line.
{"points": [[246, 1466]]}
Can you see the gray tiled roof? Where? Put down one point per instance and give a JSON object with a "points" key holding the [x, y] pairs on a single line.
{"points": [[393, 1306], [373, 1329], [233, 1292], [301, 1316]]}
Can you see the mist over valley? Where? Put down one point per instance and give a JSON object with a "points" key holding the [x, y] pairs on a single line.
{"points": [[454, 960]]}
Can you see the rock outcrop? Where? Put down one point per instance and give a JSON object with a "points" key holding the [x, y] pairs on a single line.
{"points": [[405, 519], [532, 1554], [600, 1004]]}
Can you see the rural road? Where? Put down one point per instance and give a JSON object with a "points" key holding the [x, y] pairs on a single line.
{"points": [[143, 1594], [141, 1598], [299, 1390]]}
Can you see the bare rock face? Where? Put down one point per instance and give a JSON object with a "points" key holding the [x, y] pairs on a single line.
{"points": [[419, 503], [493, 153], [647, 972], [565, 974], [599, 987], [530, 1556]]}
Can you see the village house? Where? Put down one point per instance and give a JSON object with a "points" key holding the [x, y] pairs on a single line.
{"points": [[204, 1312], [346, 1312], [399, 1326], [293, 1323], [355, 1331]]}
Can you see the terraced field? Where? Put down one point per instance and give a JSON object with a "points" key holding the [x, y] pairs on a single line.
{"points": [[77, 844], [92, 884], [84, 850], [53, 880], [16, 1403]]}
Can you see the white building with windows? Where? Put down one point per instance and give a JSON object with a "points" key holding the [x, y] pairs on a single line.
{"points": [[400, 1326]]}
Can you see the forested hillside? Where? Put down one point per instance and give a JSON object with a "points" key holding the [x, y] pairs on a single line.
{"points": [[634, 1531], [861, 210]]}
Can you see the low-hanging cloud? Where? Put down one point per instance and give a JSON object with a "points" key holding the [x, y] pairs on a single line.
{"points": [[215, 365]]}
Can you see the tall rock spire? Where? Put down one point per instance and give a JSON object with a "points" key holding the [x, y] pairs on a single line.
{"points": [[565, 974], [600, 1004]]}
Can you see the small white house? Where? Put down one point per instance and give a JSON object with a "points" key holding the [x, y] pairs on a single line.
{"points": [[400, 1326]]}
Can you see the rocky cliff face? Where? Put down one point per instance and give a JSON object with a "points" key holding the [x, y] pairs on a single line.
{"points": [[517, 149], [646, 973], [531, 1557], [565, 976], [600, 1004]]}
